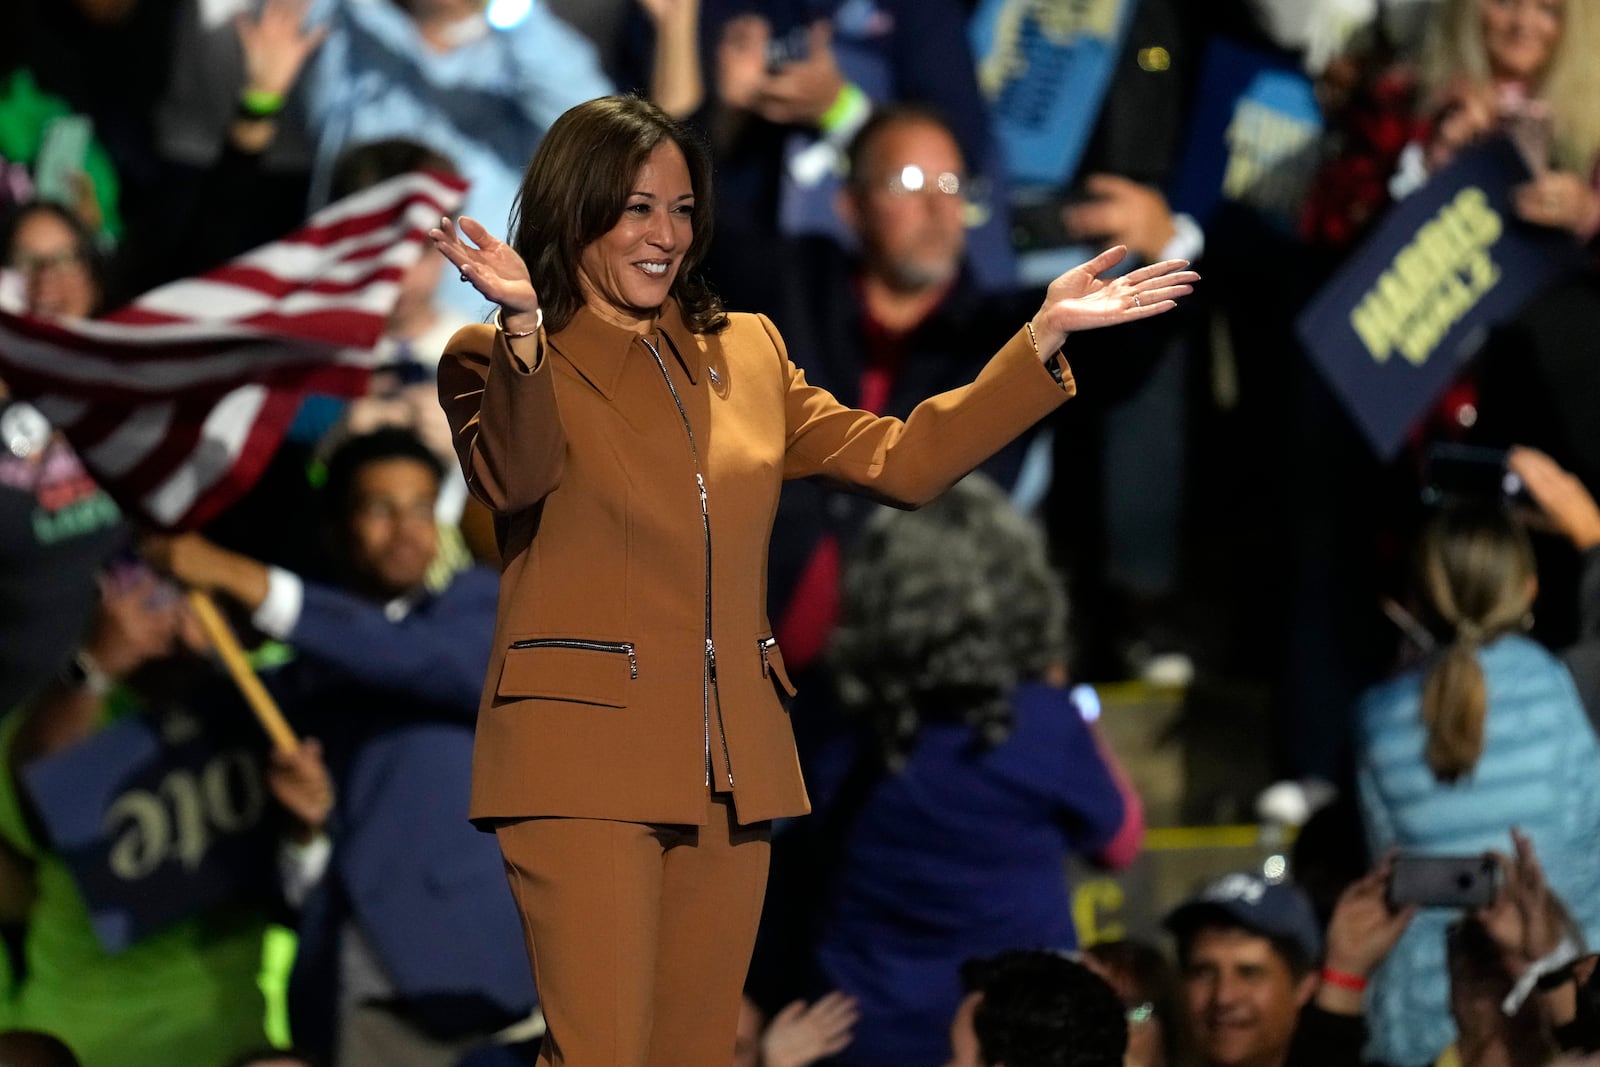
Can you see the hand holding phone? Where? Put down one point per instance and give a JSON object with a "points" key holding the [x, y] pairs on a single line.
{"points": [[1472, 474]]}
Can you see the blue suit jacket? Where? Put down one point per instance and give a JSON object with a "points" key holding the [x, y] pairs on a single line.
{"points": [[394, 702]]}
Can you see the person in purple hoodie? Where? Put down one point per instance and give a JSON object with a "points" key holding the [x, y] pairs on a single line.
{"points": [[973, 777]]}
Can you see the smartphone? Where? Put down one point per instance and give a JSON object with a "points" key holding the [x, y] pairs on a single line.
{"points": [[1458, 474], [1038, 224], [1467, 882], [786, 48], [1529, 128], [62, 151]]}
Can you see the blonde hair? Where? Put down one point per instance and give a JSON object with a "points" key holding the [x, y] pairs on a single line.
{"points": [[1455, 49], [1476, 568]]}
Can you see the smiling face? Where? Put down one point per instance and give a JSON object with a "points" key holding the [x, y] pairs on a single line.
{"points": [[1521, 36], [627, 272], [1242, 999], [392, 533], [47, 253]]}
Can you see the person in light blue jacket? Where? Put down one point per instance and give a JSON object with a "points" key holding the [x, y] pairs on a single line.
{"points": [[438, 72], [1489, 733]]}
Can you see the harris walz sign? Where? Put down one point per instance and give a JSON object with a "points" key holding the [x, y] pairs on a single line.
{"points": [[1403, 314]]}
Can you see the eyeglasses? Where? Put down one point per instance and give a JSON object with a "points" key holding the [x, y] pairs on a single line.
{"points": [[914, 179], [31, 263]]}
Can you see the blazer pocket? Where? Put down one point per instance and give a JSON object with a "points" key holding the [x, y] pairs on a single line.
{"points": [[772, 667], [577, 669]]}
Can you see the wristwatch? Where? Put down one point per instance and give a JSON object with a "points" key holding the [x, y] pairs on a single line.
{"points": [[82, 672]]}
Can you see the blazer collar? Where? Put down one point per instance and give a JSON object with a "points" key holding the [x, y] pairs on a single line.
{"points": [[600, 350]]}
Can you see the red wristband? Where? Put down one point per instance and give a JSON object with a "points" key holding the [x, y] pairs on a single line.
{"points": [[1344, 980]]}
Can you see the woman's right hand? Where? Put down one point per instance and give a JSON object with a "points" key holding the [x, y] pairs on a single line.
{"points": [[1469, 113], [491, 266]]}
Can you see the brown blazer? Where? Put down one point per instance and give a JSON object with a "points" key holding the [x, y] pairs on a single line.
{"points": [[602, 699]]}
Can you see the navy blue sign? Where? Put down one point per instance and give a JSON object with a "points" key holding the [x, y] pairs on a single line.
{"points": [[1396, 323], [1045, 68], [1254, 136], [158, 823]]}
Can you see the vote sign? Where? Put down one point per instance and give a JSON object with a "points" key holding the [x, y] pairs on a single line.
{"points": [[158, 823]]}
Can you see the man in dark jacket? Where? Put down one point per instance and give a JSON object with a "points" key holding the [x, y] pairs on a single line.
{"points": [[411, 950]]}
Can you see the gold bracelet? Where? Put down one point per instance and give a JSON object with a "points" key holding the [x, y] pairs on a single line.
{"points": [[538, 323], [1052, 364]]}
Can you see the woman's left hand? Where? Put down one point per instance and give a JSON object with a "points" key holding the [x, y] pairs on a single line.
{"points": [[1560, 199], [1082, 300]]}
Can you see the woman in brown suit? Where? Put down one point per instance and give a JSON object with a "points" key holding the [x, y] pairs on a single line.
{"points": [[631, 439]]}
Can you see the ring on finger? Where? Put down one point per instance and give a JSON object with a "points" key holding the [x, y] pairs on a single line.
{"points": [[1136, 301]]}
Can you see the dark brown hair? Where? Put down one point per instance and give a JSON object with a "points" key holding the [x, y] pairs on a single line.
{"points": [[371, 162], [576, 188], [1476, 568], [889, 117]]}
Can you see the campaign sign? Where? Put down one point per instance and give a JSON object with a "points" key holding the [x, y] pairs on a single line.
{"points": [[1397, 321], [157, 823], [1044, 66], [1254, 136]]}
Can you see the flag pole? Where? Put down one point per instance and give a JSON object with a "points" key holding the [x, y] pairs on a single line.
{"points": [[244, 676]]}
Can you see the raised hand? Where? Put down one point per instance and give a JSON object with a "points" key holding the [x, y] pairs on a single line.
{"points": [[1363, 929], [801, 92], [1559, 199], [1559, 494], [1361, 933], [1525, 920], [802, 1034], [1471, 111], [492, 267], [1083, 300], [137, 622], [742, 60], [276, 44], [1122, 211]]}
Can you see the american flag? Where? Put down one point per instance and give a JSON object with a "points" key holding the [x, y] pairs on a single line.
{"points": [[177, 401]]}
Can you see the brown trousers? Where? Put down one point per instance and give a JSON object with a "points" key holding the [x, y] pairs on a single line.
{"points": [[640, 934]]}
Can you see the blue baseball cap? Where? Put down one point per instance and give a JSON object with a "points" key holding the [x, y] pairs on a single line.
{"points": [[1277, 910]]}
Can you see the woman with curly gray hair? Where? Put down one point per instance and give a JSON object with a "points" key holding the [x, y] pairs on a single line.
{"points": [[975, 774]]}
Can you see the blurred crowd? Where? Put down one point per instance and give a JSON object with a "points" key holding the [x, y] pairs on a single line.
{"points": [[896, 181]]}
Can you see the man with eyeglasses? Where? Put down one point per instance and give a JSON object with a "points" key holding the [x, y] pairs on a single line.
{"points": [[898, 319], [410, 951]]}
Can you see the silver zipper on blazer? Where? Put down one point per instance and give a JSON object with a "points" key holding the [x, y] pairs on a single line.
{"points": [[708, 668], [621, 648], [767, 644]]}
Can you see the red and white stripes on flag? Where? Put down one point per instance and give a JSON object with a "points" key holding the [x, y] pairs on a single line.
{"points": [[177, 401]]}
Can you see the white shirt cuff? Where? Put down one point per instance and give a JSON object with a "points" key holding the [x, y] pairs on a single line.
{"points": [[280, 609], [1188, 240], [301, 867], [1410, 172]]}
